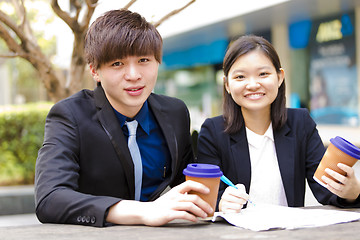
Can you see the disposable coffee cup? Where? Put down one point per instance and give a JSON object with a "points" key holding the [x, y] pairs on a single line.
{"points": [[207, 174], [339, 151]]}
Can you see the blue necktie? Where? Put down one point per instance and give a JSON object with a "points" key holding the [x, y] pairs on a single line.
{"points": [[136, 157]]}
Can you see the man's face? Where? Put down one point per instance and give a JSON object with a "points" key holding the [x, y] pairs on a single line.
{"points": [[128, 82]]}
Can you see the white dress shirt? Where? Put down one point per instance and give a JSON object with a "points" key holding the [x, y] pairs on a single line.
{"points": [[266, 185]]}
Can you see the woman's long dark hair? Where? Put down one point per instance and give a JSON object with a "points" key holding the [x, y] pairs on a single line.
{"points": [[234, 119]]}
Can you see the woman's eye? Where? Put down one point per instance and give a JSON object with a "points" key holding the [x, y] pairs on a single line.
{"points": [[144, 60], [264, 74], [240, 77]]}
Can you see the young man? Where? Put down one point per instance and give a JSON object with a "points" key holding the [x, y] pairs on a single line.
{"points": [[85, 172]]}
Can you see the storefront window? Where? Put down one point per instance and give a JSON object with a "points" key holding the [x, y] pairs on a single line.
{"points": [[333, 73], [196, 87]]}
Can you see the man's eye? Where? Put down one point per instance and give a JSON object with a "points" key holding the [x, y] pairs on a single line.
{"points": [[116, 64], [144, 60]]}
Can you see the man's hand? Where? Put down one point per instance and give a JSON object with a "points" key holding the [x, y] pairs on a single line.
{"points": [[175, 204]]}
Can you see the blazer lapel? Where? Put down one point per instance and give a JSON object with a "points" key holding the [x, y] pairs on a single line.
{"points": [[285, 150], [109, 122], [163, 120], [241, 158]]}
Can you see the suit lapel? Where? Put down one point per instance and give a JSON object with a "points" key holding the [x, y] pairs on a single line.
{"points": [[285, 151], [169, 134], [241, 157], [284, 146], [109, 122]]}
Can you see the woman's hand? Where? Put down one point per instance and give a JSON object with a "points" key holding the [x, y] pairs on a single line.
{"points": [[175, 204], [233, 200], [347, 187]]}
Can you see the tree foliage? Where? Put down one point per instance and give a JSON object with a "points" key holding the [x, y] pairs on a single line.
{"points": [[20, 141]]}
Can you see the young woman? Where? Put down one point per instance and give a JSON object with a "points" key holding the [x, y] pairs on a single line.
{"points": [[267, 149]]}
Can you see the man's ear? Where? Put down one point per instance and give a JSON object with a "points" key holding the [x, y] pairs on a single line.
{"points": [[94, 73]]}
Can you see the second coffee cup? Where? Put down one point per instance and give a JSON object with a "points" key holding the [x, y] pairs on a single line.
{"points": [[207, 174], [339, 151]]}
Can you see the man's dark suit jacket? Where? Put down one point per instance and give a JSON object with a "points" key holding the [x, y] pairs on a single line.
{"points": [[299, 150], [84, 165]]}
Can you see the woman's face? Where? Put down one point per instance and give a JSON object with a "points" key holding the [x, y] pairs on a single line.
{"points": [[253, 82]]}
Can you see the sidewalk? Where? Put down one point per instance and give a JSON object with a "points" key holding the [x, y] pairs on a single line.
{"points": [[18, 220], [17, 200], [17, 206]]}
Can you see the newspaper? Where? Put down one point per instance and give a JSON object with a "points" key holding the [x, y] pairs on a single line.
{"points": [[264, 217]]}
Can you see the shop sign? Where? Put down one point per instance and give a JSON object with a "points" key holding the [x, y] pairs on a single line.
{"points": [[333, 73], [334, 29]]}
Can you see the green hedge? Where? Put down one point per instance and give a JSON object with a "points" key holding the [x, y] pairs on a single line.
{"points": [[21, 136]]}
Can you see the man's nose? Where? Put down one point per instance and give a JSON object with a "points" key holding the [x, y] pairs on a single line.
{"points": [[132, 73]]}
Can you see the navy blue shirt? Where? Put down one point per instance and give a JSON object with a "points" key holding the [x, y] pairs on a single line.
{"points": [[155, 155]]}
